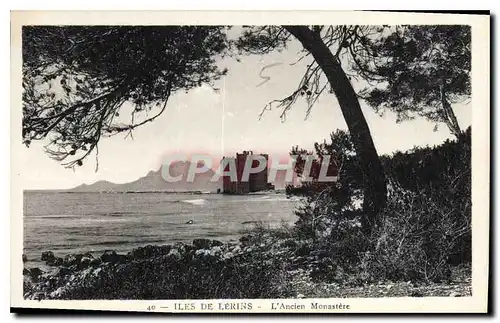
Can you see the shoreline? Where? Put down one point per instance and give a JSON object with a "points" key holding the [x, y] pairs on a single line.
{"points": [[73, 271], [262, 264], [192, 192]]}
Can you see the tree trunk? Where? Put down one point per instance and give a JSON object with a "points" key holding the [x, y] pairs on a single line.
{"points": [[449, 116], [374, 181]]}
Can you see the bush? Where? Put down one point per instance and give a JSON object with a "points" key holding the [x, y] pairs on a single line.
{"points": [[419, 238], [210, 277], [425, 228]]}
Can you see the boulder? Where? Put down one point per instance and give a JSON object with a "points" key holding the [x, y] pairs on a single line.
{"points": [[202, 252], [25, 258], [122, 258], [57, 261], [110, 256], [70, 260], [85, 262], [236, 249], [174, 254], [202, 243], [148, 252], [63, 271], [95, 262], [88, 255], [216, 251], [47, 256], [245, 240], [35, 272], [216, 243]]}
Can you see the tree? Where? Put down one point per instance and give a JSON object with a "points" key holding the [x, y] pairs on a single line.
{"points": [[329, 205], [418, 70], [327, 45], [77, 79]]}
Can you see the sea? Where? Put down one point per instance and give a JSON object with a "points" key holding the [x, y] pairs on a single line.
{"points": [[70, 222]]}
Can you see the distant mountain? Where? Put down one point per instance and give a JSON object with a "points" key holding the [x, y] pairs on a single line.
{"points": [[154, 181], [99, 186]]}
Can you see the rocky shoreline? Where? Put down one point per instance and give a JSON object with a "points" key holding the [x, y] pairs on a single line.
{"points": [[262, 265], [203, 258]]}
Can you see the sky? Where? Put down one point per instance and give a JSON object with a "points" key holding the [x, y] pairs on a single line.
{"points": [[224, 122]]}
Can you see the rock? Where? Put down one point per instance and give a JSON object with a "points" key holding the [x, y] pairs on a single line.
{"points": [[202, 243], [454, 294], [70, 260], [201, 252], [216, 251], [174, 254], [122, 258], [148, 252], [110, 256], [300, 296], [35, 272], [26, 272], [245, 240], [88, 255], [217, 243], [95, 262], [57, 261], [48, 256], [236, 249], [63, 271], [180, 247], [84, 262], [25, 258]]}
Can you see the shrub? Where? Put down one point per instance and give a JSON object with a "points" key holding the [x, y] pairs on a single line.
{"points": [[419, 239], [424, 230], [243, 276]]}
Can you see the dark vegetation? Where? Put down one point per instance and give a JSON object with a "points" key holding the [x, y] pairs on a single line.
{"points": [[425, 228]]}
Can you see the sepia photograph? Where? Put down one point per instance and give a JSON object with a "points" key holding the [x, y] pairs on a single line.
{"points": [[206, 164]]}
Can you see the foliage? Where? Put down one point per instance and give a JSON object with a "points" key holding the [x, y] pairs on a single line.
{"points": [[426, 226], [77, 78], [422, 235], [418, 70], [163, 278], [328, 205]]}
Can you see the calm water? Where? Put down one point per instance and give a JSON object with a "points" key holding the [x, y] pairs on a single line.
{"points": [[80, 222]]}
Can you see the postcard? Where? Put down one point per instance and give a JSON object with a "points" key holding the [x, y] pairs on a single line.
{"points": [[250, 162]]}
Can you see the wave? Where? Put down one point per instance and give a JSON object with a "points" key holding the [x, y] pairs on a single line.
{"points": [[54, 216], [260, 199], [196, 201], [250, 222], [119, 214]]}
